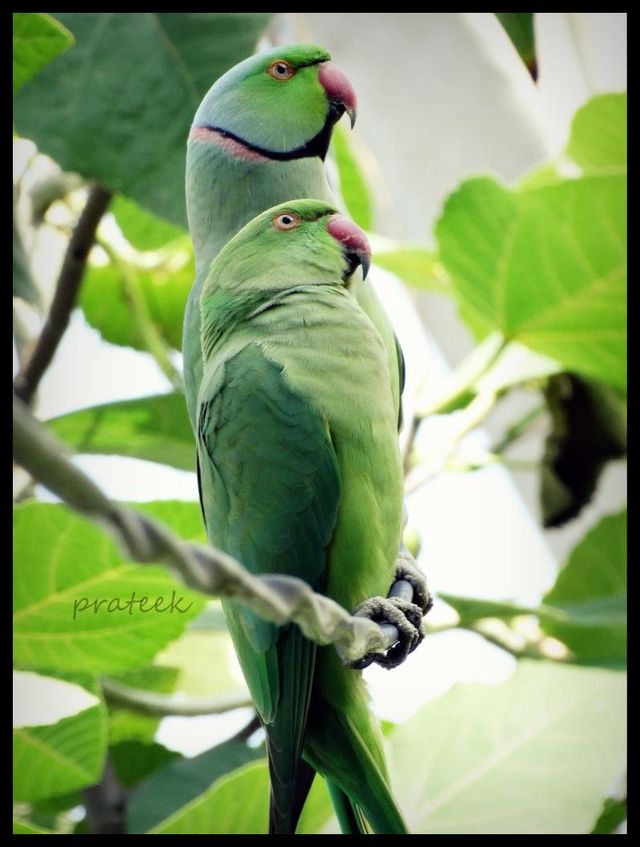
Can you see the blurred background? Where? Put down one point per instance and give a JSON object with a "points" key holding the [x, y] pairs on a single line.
{"points": [[442, 97]]}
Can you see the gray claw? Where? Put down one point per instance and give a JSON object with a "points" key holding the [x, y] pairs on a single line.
{"points": [[400, 613]]}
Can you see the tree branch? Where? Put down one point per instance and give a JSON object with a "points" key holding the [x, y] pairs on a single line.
{"points": [[153, 703], [105, 804], [66, 293], [279, 599], [457, 390]]}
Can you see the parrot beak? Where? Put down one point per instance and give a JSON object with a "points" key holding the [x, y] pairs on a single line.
{"points": [[342, 97], [354, 242]]}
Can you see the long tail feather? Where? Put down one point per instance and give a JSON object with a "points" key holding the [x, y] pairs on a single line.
{"points": [[344, 744], [349, 817], [291, 778]]}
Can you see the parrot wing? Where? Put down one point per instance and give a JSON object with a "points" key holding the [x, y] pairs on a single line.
{"points": [[269, 488]]}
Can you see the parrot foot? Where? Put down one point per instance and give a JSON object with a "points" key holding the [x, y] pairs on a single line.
{"points": [[409, 599], [411, 583]]}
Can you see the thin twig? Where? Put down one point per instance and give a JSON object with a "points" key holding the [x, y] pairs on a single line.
{"points": [[276, 598], [473, 415], [154, 703], [518, 429], [458, 390], [151, 337], [66, 293], [247, 730]]}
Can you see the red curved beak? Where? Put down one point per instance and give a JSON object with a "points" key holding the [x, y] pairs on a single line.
{"points": [[339, 90], [354, 242]]}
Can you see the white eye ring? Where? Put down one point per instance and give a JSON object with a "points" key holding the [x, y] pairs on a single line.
{"points": [[280, 70], [286, 220]]}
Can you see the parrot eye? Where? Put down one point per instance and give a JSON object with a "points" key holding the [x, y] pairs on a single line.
{"points": [[286, 220], [280, 70]]}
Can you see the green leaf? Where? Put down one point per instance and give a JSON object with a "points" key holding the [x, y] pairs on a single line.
{"points": [[142, 229], [52, 807], [129, 725], [37, 40], [533, 755], [417, 266], [589, 429], [614, 812], [64, 566], [235, 804], [519, 28], [195, 654], [135, 760], [25, 828], [117, 107], [150, 678], [165, 289], [604, 612], [183, 518], [591, 590], [598, 141], [546, 267], [172, 790], [353, 183], [51, 760], [154, 428]]}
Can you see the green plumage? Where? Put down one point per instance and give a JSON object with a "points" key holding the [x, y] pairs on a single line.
{"points": [[224, 191], [300, 473], [304, 499]]}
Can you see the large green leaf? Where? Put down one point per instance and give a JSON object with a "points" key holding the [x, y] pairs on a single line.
{"points": [[598, 140], [183, 518], [533, 755], [235, 804], [135, 760], [195, 655], [164, 289], [176, 786], [154, 428], [158, 678], [546, 267], [142, 229], [416, 266], [591, 589], [50, 760], [129, 725], [37, 40], [64, 565], [26, 828], [117, 106]]}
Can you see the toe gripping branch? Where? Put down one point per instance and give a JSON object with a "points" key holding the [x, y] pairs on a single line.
{"points": [[399, 614]]}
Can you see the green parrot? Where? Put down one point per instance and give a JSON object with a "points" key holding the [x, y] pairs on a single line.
{"points": [[300, 473], [259, 138]]}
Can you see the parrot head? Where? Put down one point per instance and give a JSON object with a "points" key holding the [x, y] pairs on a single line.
{"points": [[301, 242], [275, 106]]}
